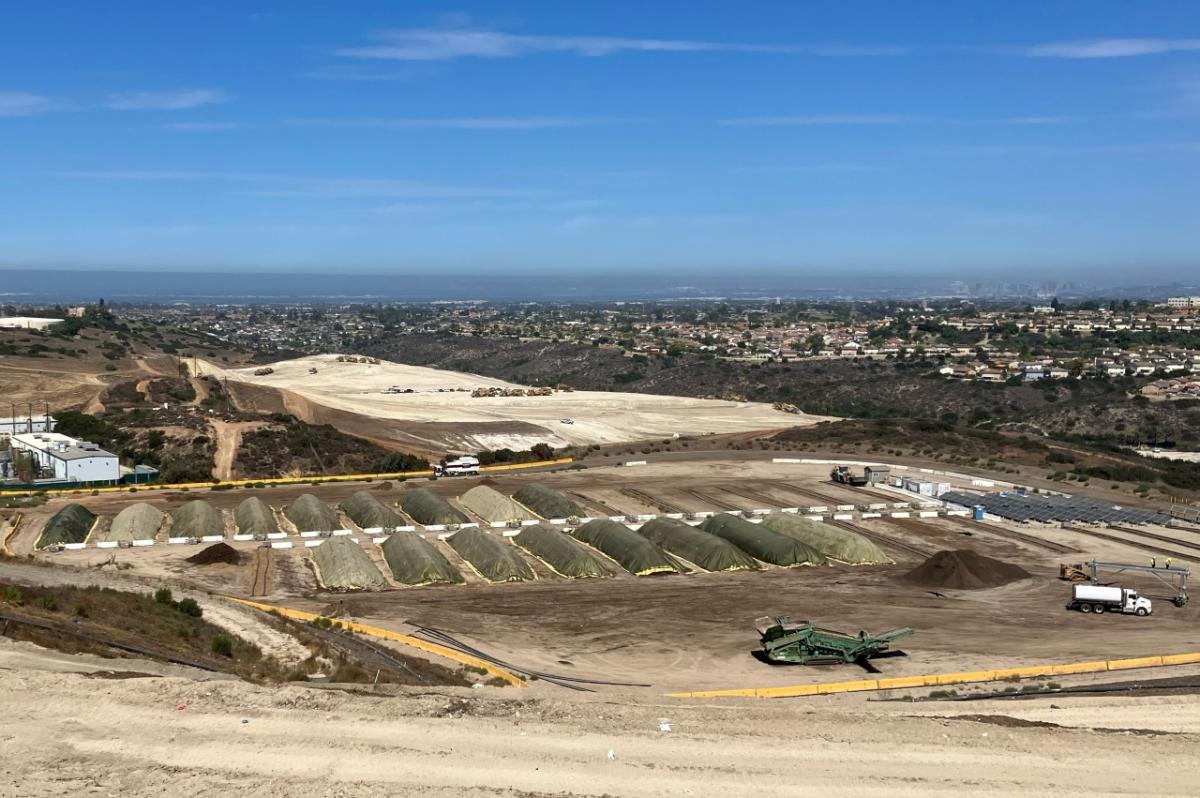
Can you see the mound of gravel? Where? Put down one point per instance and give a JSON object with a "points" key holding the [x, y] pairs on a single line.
{"points": [[964, 569], [216, 554]]}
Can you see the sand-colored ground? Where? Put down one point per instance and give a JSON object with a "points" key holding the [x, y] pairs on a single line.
{"points": [[444, 397], [66, 733]]}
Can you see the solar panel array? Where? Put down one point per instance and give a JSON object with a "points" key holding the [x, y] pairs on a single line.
{"points": [[1055, 509]]}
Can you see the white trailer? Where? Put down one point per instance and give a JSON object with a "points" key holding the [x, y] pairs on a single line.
{"points": [[461, 466], [1108, 598]]}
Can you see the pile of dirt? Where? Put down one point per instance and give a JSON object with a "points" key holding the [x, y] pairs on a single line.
{"points": [[216, 554], [964, 569]]}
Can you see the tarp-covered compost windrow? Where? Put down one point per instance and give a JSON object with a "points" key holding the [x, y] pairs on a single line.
{"points": [[428, 508], [415, 561], [547, 503], [254, 517], [71, 524], [696, 546], [561, 554], [835, 543], [136, 522], [490, 555], [196, 519], [310, 514], [634, 553], [370, 513], [343, 565], [492, 505], [762, 542]]}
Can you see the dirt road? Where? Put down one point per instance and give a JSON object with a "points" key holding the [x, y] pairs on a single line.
{"points": [[69, 734], [228, 435]]}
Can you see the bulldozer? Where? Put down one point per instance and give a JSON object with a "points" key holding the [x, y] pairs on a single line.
{"points": [[804, 644], [1073, 572]]}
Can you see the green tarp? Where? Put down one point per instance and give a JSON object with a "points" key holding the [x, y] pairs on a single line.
{"points": [[428, 508], [71, 524], [370, 513], [547, 503], [561, 554], [343, 565], [413, 560], [196, 519], [139, 521], [310, 514], [490, 555], [695, 545], [254, 517], [492, 505], [835, 543], [634, 553], [761, 542]]}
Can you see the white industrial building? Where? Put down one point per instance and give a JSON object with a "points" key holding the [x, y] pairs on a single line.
{"points": [[15, 426], [26, 323], [66, 459], [1184, 303]]}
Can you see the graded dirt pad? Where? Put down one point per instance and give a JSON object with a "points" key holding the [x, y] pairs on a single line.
{"points": [[216, 554], [840, 545], [370, 513], [762, 542], [493, 506], [560, 553], [546, 502], [343, 565], [631, 551], [702, 549], [413, 560], [965, 569], [139, 521], [254, 517], [490, 556], [426, 507], [310, 514], [441, 413], [71, 524], [196, 519]]}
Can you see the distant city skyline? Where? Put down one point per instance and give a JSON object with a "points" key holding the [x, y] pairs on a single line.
{"points": [[1028, 142]]}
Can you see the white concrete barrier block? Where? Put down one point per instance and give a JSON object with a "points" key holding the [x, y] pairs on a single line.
{"points": [[785, 460], [243, 538], [843, 516], [816, 517], [763, 511], [871, 515], [308, 544], [511, 533], [143, 542], [373, 530], [927, 514], [74, 546], [312, 534], [956, 512], [673, 515], [647, 517], [108, 544], [790, 510], [636, 463], [499, 524], [435, 528], [879, 506], [406, 529], [901, 515], [468, 525], [820, 508], [845, 508], [447, 535], [705, 514], [178, 540], [378, 540], [983, 483], [926, 470], [279, 535], [282, 544], [341, 533], [754, 520], [558, 521], [901, 505], [212, 538], [530, 523]]}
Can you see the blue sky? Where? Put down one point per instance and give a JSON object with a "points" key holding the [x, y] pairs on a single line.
{"points": [[1053, 139]]}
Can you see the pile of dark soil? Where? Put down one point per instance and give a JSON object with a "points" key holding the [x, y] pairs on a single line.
{"points": [[216, 554], [964, 569]]}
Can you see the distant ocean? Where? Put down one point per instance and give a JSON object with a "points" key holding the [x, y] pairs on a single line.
{"points": [[41, 286]]}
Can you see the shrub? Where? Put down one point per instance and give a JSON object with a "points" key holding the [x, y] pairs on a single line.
{"points": [[222, 646], [188, 606], [163, 595]]}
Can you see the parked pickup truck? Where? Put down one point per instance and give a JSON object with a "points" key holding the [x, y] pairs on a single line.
{"points": [[1101, 598]]}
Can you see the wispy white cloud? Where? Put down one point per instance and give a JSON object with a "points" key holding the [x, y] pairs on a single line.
{"points": [[273, 185], [22, 103], [437, 44], [203, 126], [454, 123], [1112, 48], [817, 120], [165, 100]]}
